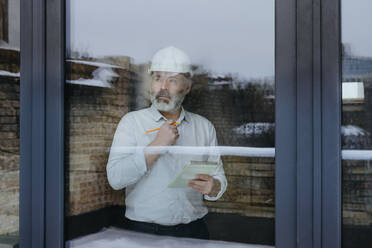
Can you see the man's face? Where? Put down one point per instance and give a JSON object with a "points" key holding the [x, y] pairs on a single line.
{"points": [[168, 90]]}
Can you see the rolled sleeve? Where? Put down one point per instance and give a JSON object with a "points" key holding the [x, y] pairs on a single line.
{"points": [[223, 183], [140, 160]]}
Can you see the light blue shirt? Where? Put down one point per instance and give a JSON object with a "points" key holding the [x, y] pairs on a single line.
{"points": [[148, 197]]}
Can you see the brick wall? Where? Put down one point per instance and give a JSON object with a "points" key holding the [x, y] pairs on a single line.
{"points": [[357, 192], [91, 116], [251, 187], [9, 143]]}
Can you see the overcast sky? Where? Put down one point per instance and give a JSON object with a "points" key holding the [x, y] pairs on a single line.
{"points": [[224, 36], [357, 26], [235, 36]]}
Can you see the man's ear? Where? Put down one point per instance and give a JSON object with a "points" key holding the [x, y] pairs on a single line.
{"points": [[188, 87]]}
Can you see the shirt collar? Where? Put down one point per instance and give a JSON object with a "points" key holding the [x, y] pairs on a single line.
{"points": [[156, 115]]}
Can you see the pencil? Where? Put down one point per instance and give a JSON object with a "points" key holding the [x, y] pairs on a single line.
{"points": [[156, 129]]}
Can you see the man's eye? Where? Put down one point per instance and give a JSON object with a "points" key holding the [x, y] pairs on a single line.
{"points": [[172, 80]]}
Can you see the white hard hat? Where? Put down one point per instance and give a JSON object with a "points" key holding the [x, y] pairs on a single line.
{"points": [[170, 59]]}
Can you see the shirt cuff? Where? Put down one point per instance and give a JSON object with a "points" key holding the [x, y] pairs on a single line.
{"points": [[223, 184], [140, 160]]}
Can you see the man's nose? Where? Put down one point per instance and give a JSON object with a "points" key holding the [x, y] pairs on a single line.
{"points": [[164, 83]]}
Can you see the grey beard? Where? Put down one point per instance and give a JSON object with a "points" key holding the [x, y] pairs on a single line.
{"points": [[174, 103]]}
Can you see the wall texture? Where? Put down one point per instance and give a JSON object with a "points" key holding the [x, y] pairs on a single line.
{"points": [[9, 141], [91, 116], [357, 193]]}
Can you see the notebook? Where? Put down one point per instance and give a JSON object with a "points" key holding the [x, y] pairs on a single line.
{"points": [[189, 172]]}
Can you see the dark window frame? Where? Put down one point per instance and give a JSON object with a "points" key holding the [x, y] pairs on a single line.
{"points": [[308, 162]]}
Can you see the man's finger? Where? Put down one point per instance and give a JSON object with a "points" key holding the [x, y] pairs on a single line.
{"points": [[173, 127], [204, 177], [196, 187], [199, 183], [169, 122]]}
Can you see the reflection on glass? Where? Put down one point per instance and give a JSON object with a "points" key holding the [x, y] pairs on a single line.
{"points": [[212, 82], [356, 124], [153, 204], [9, 121]]}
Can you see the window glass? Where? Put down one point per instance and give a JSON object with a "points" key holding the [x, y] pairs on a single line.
{"points": [[356, 127], [9, 121], [129, 64]]}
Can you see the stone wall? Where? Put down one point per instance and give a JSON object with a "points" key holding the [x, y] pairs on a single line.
{"points": [[91, 116], [251, 187], [357, 192], [9, 142]]}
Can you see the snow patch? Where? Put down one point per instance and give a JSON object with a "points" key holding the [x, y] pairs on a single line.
{"points": [[98, 64], [254, 128], [11, 48], [221, 83], [9, 74], [270, 97], [104, 74], [217, 75], [90, 82], [102, 77], [351, 130]]}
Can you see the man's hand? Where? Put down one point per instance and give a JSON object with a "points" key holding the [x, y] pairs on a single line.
{"points": [[205, 184], [167, 134]]}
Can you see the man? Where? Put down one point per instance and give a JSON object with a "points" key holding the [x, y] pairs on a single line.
{"points": [[151, 206]]}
